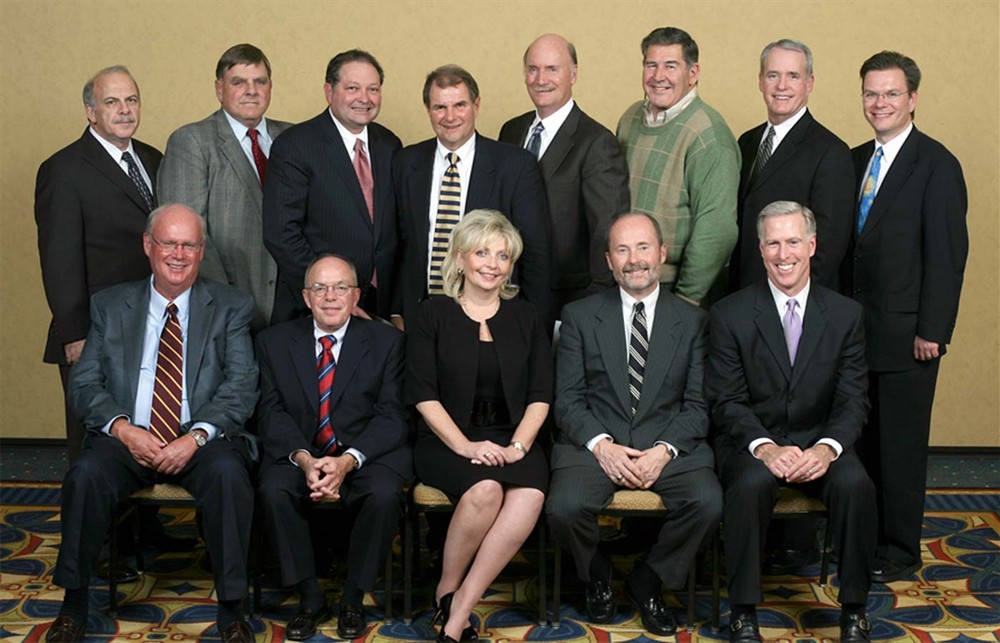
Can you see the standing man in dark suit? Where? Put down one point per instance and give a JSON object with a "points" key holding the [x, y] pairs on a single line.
{"points": [[786, 381], [440, 179], [217, 167], [791, 157], [586, 181], [347, 371], [166, 380], [625, 423], [91, 204], [329, 190], [906, 269]]}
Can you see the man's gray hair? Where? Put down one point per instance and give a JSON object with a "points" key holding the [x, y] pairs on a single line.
{"points": [[784, 208], [790, 45], [88, 89]]}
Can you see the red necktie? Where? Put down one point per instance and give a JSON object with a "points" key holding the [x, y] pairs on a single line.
{"points": [[258, 155], [165, 419], [326, 368], [364, 171]]}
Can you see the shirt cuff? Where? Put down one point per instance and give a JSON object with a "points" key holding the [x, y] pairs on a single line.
{"points": [[291, 456], [106, 430], [357, 455], [670, 448], [833, 444], [756, 443], [594, 440], [210, 429]]}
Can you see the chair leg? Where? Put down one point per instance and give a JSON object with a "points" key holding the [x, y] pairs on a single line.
{"points": [[556, 582], [388, 586], [692, 576], [408, 568], [716, 541], [257, 568], [541, 572], [113, 566], [824, 566]]}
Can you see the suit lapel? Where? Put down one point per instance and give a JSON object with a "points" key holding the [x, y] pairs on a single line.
{"points": [[133, 329], [769, 326], [899, 172], [381, 163], [786, 151], [662, 345], [302, 350], [561, 145], [97, 156], [610, 334], [421, 177], [749, 152], [341, 162], [482, 181], [202, 312], [351, 355], [232, 151], [813, 326]]}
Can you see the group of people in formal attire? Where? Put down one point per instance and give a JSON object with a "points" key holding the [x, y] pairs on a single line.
{"points": [[274, 315]]}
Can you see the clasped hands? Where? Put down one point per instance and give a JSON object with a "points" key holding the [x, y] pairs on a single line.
{"points": [[631, 468], [151, 452], [490, 454], [795, 465], [325, 475]]}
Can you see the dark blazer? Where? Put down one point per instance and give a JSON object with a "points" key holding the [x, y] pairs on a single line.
{"points": [[586, 182], [504, 178], [220, 370], [907, 266], [442, 358], [366, 408], [592, 390], [90, 220], [754, 391], [313, 205], [206, 169], [811, 166]]}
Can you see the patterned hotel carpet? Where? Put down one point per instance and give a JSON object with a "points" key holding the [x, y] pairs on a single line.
{"points": [[955, 597]]}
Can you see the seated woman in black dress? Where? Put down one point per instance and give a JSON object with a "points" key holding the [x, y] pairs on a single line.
{"points": [[479, 371]]}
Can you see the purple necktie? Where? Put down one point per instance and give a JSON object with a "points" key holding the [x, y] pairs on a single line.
{"points": [[793, 328]]}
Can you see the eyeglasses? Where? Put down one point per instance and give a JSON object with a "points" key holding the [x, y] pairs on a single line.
{"points": [[187, 247], [320, 290], [891, 96]]}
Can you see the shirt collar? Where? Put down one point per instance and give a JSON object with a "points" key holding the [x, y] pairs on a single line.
{"points": [[781, 129], [670, 114], [158, 303], [240, 130], [780, 298], [553, 121], [347, 135], [463, 152], [649, 301], [891, 149], [113, 149], [338, 334]]}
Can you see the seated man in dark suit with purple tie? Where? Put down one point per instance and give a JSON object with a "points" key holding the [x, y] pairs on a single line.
{"points": [[334, 428], [786, 382]]}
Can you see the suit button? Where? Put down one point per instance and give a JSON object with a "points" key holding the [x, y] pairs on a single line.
{"points": [[857, 291]]}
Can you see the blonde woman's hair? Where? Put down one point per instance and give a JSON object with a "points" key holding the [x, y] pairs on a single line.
{"points": [[477, 229]]}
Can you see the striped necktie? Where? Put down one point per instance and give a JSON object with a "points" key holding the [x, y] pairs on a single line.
{"points": [[259, 160], [140, 183], [326, 368], [535, 142], [449, 213], [638, 348], [763, 154], [165, 419]]}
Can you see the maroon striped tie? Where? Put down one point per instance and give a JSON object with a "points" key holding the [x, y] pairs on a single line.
{"points": [[165, 420], [258, 155]]}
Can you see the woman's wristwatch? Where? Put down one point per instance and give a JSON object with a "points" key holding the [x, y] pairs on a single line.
{"points": [[520, 447]]}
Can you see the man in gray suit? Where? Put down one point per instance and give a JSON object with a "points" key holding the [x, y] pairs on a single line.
{"points": [[217, 167], [625, 423], [165, 383]]}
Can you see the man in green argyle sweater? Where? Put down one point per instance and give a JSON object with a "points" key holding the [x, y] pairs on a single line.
{"points": [[684, 166]]}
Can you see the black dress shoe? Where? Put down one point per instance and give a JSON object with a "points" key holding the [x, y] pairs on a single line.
{"points": [[892, 571], [125, 574], [854, 627], [303, 626], [443, 613], [65, 630], [743, 628], [237, 632], [600, 601], [351, 623], [656, 617]]}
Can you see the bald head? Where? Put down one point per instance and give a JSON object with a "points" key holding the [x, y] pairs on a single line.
{"points": [[550, 73], [175, 244]]}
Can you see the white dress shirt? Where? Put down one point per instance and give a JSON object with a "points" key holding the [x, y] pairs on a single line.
{"points": [[117, 154], [466, 156], [240, 132], [551, 125], [890, 151], [350, 138], [781, 129]]}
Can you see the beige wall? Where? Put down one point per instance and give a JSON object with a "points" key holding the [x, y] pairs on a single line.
{"points": [[48, 50]]}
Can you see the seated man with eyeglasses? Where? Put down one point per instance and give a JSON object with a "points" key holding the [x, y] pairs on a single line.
{"points": [[333, 427]]}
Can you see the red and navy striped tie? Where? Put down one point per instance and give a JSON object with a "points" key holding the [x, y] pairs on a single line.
{"points": [[326, 368]]}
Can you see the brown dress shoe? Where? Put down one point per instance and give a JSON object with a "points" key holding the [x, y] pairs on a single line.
{"points": [[65, 630], [238, 632]]}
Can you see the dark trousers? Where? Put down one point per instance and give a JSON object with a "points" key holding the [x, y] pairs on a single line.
{"points": [[751, 493], [893, 448], [374, 493], [75, 431], [577, 495], [218, 476]]}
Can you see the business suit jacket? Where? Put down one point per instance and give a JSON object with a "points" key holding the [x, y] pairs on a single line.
{"points": [[220, 369], [811, 166], [586, 183], [206, 169], [90, 220], [754, 391], [907, 265], [366, 408], [592, 389], [313, 205], [503, 178]]}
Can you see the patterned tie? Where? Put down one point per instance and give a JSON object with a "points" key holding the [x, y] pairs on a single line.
{"points": [[535, 142], [136, 176], [326, 368], [793, 329], [364, 171], [763, 154], [449, 213], [258, 155], [165, 420], [868, 190], [638, 348]]}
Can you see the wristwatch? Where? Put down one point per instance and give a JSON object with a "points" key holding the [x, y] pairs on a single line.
{"points": [[199, 437], [520, 447]]}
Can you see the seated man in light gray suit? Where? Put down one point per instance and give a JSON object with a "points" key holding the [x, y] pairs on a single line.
{"points": [[165, 383], [628, 423], [217, 166]]}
